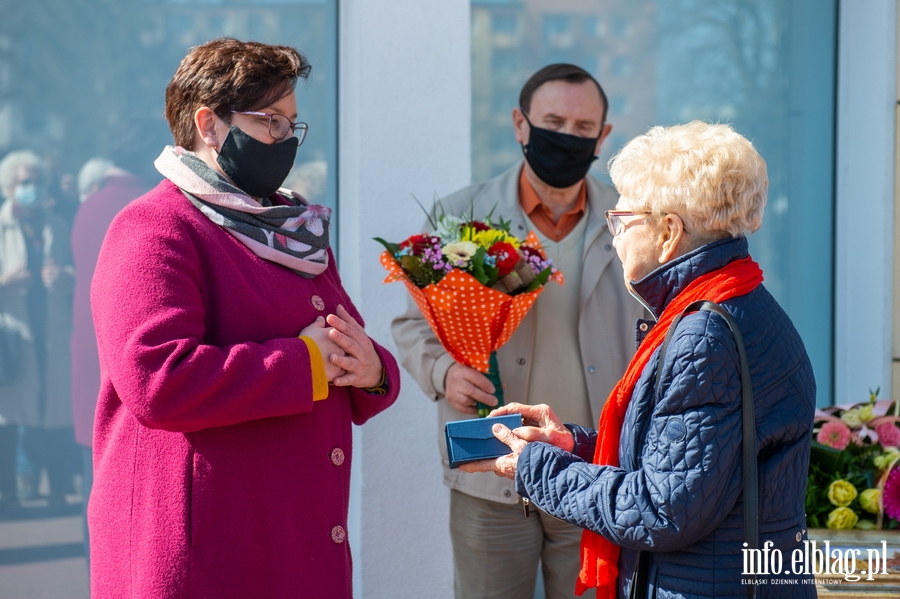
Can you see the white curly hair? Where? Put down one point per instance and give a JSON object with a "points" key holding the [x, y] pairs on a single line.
{"points": [[708, 174]]}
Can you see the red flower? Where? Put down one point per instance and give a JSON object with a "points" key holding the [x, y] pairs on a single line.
{"points": [[418, 244], [478, 225], [506, 256]]}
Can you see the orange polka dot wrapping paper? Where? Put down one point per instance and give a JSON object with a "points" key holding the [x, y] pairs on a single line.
{"points": [[469, 319]]}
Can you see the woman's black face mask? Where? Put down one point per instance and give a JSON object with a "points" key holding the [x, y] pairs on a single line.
{"points": [[257, 168], [559, 159]]}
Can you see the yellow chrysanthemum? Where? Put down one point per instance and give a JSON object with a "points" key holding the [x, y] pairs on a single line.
{"points": [[486, 239]]}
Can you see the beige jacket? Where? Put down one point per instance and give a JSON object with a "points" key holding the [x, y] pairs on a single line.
{"points": [[605, 322]]}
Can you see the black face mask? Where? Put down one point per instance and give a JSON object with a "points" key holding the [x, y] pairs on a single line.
{"points": [[559, 159], [256, 167]]}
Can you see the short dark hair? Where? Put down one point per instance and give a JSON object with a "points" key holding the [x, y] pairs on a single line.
{"points": [[558, 72], [226, 74]]}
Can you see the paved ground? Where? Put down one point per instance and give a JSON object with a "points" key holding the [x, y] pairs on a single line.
{"points": [[42, 555]]}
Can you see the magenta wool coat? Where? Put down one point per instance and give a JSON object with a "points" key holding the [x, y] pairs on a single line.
{"points": [[216, 475]]}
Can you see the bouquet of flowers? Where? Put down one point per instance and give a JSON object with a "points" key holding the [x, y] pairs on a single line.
{"points": [[474, 283], [854, 477]]}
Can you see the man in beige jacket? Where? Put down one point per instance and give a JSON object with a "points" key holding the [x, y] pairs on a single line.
{"points": [[569, 351]]}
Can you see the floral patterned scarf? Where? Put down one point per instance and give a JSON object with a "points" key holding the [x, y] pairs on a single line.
{"points": [[295, 235]]}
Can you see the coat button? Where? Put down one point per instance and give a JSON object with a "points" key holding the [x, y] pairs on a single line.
{"points": [[337, 456], [643, 327], [317, 303], [799, 537], [607, 247], [520, 361], [507, 493], [591, 369], [338, 534]]}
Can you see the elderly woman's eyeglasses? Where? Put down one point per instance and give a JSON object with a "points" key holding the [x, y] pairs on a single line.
{"points": [[280, 126], [614, 219]]}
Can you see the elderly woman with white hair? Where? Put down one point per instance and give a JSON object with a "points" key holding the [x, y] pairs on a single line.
{"points": [[703, 447], [36, 283]]}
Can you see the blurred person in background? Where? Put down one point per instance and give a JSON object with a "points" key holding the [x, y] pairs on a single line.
{"points": [[105, 187], [36, 285], [233, 362]]}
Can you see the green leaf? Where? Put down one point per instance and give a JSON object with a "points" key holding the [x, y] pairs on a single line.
{"points": [[492, 273], [476, 266], [428, 215], [393, 248], [417, 272], [826, 458]]}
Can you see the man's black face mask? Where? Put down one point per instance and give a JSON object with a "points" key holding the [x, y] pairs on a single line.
{"points": [[559, 159]]}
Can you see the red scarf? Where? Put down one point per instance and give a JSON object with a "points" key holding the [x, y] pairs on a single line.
{"points": [[599, 557]]}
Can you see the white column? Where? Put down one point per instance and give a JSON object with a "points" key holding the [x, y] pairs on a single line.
{"points": [[867, 70], [405, 105]]}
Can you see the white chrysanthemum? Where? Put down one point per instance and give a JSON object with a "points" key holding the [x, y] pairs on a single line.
{"points": [[459, 253], [449, 228]]}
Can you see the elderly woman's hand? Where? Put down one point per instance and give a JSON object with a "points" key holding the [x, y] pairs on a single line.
{"points": [[539, 424], [504, 465], [362, 365]]}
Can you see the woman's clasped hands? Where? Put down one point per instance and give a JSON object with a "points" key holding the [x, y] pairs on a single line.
{"points": [[349, 355], [539, 423]]}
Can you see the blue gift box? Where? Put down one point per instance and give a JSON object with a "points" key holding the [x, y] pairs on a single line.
{"points": [[472, 440]]}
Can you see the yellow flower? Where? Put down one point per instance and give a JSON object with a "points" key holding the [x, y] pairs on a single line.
{"points": [[841, 518], [852, 418], [841, 493], [869, 500], [865, 413], [488, 238], [865, 525], [885, 459]]}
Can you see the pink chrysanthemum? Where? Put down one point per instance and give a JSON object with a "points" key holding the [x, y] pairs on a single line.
{"points": [[890, 497], [888, 435], [834, 433]]}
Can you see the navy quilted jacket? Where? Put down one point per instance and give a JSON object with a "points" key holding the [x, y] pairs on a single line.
{"points": [[677, 492]]}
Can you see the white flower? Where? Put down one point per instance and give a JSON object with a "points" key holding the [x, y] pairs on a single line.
{"points": [[459, 253], [852, 418], [449, 228]]}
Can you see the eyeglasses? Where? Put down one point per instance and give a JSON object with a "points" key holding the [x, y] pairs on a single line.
{"points": [[280, 126], [614, 219]]}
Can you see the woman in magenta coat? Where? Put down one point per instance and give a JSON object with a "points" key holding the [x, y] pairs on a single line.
{"points": [[232, 360]]}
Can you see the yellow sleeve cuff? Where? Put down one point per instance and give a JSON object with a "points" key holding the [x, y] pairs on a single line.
{"points": [[317, 365]]}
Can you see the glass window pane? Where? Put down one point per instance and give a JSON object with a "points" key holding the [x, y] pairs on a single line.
{"points": [[765, 66], [80, 81]]}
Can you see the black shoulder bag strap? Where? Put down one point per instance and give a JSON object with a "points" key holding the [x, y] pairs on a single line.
{"points": [[639, 581]]}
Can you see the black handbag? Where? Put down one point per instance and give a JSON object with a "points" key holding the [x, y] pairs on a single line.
{"points": [[10, 353], [640, 578]]}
